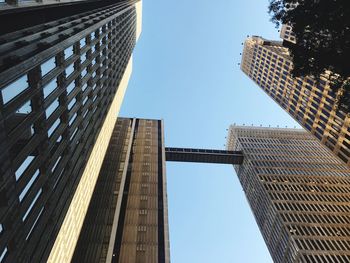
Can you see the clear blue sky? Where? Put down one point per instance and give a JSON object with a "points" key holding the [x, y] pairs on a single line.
{"points": [[186, 72]]}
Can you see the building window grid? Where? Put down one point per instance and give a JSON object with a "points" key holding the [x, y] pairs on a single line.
{"points": [[327, 205], [47, 78], [322, 91]]}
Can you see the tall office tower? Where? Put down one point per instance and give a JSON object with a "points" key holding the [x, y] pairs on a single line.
{"points": [[298, 192], [310, 103], [287, 34], [127, 217], [64, 68]]}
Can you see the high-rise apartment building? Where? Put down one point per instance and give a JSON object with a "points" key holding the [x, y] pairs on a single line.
{"points": [[309, 102], [127, 218], [64, 68], [298, 192]]}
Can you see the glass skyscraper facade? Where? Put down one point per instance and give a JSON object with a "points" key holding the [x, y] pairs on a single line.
{"points": [[298, 192], [312, 104], [62, 82]]}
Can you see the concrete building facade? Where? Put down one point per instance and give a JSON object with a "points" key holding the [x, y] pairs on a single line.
{"points": [[298, 192], [127, 218], [287, 33], [312, 104]]}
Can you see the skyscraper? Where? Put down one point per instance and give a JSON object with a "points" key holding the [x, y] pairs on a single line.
{"points": [[287, 34], [310, 103], [127, 218], [298, 192], [64, 68]]}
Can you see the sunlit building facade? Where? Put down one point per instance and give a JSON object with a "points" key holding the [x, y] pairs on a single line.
{"points": [[298, 192], [64, 69], [310, 103], [287, 33], [127, 219]]}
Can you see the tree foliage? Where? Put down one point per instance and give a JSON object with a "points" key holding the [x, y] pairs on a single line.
{"points": [[322, 31]]}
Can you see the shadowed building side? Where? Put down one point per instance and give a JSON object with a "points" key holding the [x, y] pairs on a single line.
{"points": [[127, 217], [62, 83]]}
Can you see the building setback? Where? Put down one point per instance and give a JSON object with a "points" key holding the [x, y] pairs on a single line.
{"points": [[127, 218], [310, 103], [64, 68], [298, 192]]}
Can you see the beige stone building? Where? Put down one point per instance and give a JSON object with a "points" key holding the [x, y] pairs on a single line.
{"points": [[127, 218], [310, 103], [298, 192]]}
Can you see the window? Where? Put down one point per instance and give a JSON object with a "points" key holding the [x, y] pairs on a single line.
{"points": [[83, 88], [68, 52], [14, 89], [36, 220], [83, 57], [23, 167], [72, 119], [142, 228], [56, 163], [73, 134], [70, 87], [82, 42], [52, 107], [85, 100], [140, 247], [28, 186], [25, 109], [71, 103], [3, 254], [83, 73], [32, 204], [49, 88], [53, 127], [48, 66], [70, 69]]}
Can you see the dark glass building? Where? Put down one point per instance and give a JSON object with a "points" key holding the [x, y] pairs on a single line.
{"points": [[64, 68], [298, 192]]}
